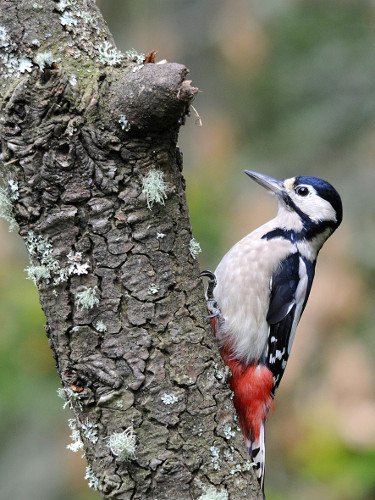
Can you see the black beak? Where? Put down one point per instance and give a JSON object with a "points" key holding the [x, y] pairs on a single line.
{"points": [[273, 185]]}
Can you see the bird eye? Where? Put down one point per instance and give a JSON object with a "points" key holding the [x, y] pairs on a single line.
{"points": [[302, 190]]}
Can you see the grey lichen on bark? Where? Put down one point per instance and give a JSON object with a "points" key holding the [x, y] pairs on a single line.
{"points": [[82, 126]]}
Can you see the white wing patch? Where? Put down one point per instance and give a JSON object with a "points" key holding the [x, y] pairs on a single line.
{"points": [[300, 300]]}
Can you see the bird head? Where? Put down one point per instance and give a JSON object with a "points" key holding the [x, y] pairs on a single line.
{"points": [[316, 202]]}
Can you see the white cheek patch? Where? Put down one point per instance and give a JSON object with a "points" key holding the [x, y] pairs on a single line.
{"points": [[317, 208]]}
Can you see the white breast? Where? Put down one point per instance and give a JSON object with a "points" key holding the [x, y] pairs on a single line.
{"points": [[243, 291]]}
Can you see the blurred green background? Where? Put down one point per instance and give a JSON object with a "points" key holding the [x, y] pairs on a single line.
{"points": [[287, 88]]}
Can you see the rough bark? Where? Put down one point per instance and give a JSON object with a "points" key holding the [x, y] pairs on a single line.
{"points": [[81, 128]]}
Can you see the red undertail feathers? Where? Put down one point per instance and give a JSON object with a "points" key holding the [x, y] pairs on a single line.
{"points": [[252, 386]]}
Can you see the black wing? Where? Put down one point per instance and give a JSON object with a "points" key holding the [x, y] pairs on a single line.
{"points": [[282, 310]]}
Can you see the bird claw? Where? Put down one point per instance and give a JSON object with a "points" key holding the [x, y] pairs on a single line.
{"points": [[212, 282], [213, 308], [208, 273], [214, 315]]}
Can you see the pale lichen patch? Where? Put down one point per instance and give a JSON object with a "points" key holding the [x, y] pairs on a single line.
{"points": [[6, 209], [69, 397], [194, 248], [93, 481], [40, 249], [246, 466], [228, 432], [13, 63], [108, 54], [123, 121], [13, 190], [153, 289], [101, 326], [45, 266], [44, 59], [154, 187], [67, 20], [211, 493], [133, 55], [123, 444], [75, 436], [169, 399], [87, 298], [90, 431], [215, 458]]}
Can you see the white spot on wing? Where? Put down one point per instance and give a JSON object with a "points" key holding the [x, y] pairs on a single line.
{"points": [[279, 355]]}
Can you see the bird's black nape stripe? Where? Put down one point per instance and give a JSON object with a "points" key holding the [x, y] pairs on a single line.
{"points": [[287, 234], [307, 233], [319, 227]]}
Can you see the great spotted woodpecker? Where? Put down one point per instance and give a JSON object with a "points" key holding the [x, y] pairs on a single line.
{"points": [[259, 291]]}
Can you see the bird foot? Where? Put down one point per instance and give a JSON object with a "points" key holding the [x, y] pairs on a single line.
{"points": [[213, 308]]}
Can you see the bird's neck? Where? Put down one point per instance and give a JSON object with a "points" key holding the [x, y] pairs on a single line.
{"points": [[308, 236]]}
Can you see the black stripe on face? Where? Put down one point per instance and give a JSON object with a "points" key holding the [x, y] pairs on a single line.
{"points": [[290, 203], [290, 234]]}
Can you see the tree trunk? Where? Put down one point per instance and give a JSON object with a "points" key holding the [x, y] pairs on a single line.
{"points": [[92, 177]]}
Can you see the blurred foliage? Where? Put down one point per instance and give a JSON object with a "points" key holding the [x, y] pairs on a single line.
{"points": [[348, 472], [312, 97], [287, 88]]}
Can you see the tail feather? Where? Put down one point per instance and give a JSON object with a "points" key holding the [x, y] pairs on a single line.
{"points": [[257, 452]]}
